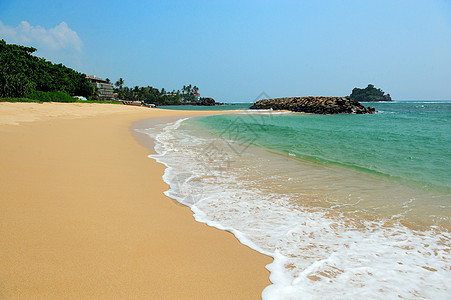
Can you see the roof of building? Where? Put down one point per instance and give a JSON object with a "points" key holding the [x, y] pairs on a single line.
{"points": [[95, 78]]}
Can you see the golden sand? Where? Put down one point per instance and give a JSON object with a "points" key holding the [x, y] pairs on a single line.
{"points": [[83, 214]]}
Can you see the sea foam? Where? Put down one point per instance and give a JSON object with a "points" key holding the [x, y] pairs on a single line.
{"points": [[318, 253]]}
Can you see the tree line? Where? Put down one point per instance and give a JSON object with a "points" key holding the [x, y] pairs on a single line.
{"points": [[148, 94], [22, 74]]}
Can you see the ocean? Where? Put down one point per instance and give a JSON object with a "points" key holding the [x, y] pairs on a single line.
{"points": [[234, 106], [349, 206]]}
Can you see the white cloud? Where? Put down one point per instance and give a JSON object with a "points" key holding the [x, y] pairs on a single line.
{"points": [[57, 38]]}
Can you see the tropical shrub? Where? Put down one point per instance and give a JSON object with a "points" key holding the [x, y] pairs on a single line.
{"points": [[50, 96]]}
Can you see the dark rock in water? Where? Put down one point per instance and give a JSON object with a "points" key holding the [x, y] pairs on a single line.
{"points": [[315, 105], [208, 101]]}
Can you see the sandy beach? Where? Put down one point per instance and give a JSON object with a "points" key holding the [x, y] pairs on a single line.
{"points": [[83, 214]]}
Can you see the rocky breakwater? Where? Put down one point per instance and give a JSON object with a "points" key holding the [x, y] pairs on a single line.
{"points": [[315, 105]]}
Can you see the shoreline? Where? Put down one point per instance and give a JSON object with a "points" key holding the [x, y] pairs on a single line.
{"points": [[277, 204], [84, 215]]}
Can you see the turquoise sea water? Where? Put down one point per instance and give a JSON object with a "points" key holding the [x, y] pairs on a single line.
{"points": [[349, 206], [234, 106], [410, 141]]}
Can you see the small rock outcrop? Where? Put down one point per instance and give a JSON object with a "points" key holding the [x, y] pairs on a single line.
{"points": [[207, 101], [369, 94], [315, 105]]}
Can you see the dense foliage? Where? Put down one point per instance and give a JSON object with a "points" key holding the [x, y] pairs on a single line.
{"points": [[188, 95], [148, 94], [23, 73], [50, 97], [369, 94]]}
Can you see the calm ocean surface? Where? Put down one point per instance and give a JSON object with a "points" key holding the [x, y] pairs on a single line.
{"points": [[349, 206], [235, 106]]}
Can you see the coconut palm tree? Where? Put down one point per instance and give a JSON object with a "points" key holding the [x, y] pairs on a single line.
{"points": [[120, 83]]}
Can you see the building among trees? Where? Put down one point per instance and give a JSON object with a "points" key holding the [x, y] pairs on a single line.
{"points": [[104, 88]]}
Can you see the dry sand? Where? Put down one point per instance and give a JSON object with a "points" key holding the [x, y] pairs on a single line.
{"points": [[83, 215]]}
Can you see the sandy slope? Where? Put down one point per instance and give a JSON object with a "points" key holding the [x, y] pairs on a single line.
{"points": [[83, 215]]}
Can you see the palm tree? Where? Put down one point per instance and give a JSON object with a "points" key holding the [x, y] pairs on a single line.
{"points": [[120, 83]]}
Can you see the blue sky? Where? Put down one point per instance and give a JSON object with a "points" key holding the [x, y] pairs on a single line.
{"points": [[234, 50]]}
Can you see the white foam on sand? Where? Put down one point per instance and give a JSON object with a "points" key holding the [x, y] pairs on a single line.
{"points": [[318, 254]]}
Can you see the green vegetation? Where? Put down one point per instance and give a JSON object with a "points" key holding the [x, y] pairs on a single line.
{"points": [[50, 96], [188, 95], [28, 78], [369, 94], [22, 73]]}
